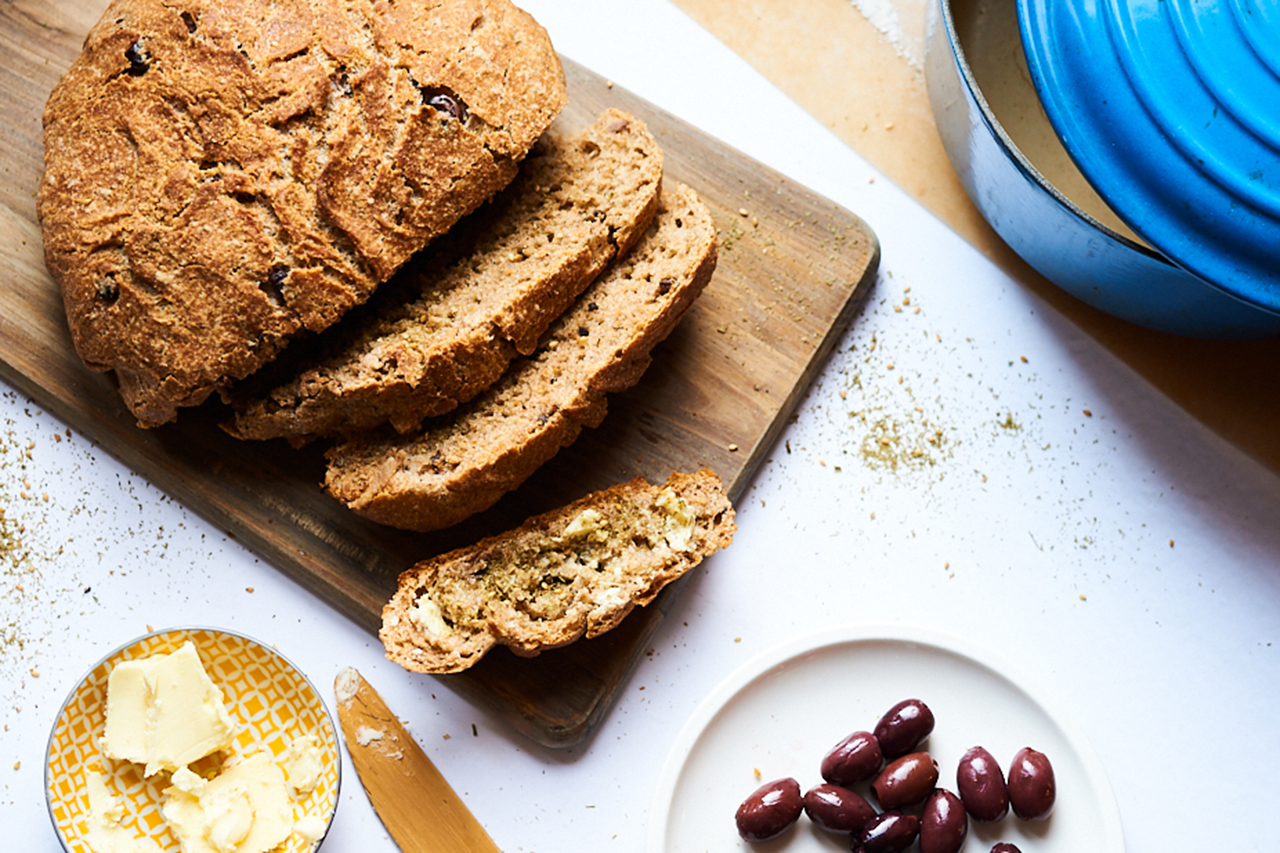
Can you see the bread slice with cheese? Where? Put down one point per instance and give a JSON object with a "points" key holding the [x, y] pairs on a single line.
{"points": [[463, 463], [447, 326], [573, 572]]}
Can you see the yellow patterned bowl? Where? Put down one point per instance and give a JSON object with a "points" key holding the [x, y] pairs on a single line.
{"points": [[271, 701]]}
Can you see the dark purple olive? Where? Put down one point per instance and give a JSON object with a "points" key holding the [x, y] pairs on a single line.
{"points": [[904, 727], [906, 782], [852, 760], [770, 810], [1005, 847], [943, 823], [890, 832], [1031, 785], [981, 785], [837, 809]]}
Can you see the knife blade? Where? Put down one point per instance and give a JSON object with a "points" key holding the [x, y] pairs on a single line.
{"points": [[414, 802]]}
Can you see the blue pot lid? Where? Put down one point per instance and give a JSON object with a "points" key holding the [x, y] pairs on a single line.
{"points": [[1171, 109]]}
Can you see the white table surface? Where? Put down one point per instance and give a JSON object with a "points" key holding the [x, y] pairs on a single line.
{"points": [[1130, 558]]}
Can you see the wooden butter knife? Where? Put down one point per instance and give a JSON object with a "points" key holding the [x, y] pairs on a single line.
{"points": [[414, 802]]}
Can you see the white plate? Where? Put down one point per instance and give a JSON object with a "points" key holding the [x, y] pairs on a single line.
{"points": [[783, 711]]}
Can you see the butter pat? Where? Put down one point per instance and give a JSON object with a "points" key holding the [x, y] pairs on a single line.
{"points": [[164, 712], [302, 763], [309, 828], [106, 811], [245, 809]]}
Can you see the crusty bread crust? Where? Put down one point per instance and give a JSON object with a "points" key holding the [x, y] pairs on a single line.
{"points": [[447, 325], [220, 175], [463, 463], [573, 572]]}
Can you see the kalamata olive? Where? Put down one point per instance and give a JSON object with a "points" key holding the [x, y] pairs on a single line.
{"points": [[889, 832], [770, 810], [837, 809], [904, 727], [1005, 847], [1031, 785], [906, 781], [943, 823], [981, 785], [852, 760]]}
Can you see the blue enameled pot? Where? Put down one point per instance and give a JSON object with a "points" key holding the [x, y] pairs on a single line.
{"points": [[1094, 248]]}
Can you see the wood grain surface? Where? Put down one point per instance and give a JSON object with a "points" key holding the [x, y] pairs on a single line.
{"points": [[793, 269]]}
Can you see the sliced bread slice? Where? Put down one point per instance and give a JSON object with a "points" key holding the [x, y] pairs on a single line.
{"points": [[571, 572], [464, 463], [452, 321]]}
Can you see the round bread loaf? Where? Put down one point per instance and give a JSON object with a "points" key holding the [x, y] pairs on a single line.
{"points": [[221, 176]]}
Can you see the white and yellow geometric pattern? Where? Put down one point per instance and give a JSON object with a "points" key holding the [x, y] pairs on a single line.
{"points": [[270, 700]]}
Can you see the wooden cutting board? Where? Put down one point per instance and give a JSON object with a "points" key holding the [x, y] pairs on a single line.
{"points": [[793, 269]]}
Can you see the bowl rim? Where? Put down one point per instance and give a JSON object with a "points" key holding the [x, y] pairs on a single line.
{"points": [[79, 682]]}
